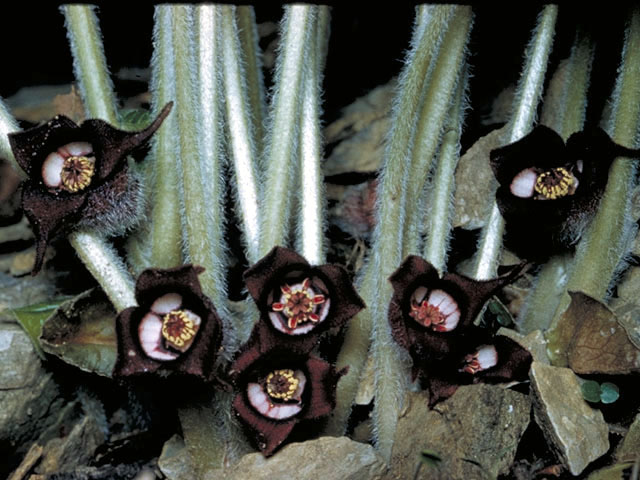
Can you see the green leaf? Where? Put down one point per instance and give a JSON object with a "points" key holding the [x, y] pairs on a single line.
{"points": [[609, 392], [429, 457], [134, 119], [591, 391], [81, 332], [502, 314], [32, 317]]}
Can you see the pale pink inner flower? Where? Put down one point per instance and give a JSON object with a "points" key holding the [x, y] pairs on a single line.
{"points": [[281, 395], [435, 309], [484, 358], [69, 168], [299, 309], [168, 330]]}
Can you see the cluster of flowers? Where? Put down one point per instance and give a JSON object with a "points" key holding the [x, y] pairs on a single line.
{"points": [[76, 173]]}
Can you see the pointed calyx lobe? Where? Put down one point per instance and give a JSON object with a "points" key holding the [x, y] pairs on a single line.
{"points": [[174, 330], [75, 174], [549, 190], [298, 301], [432, 316], [279, 389]]}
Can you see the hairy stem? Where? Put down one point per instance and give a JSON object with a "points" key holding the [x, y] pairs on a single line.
{"points": [[106, 266], [248, 35], [240, 127], [166, 228], [438, 95], [89, 62], [525, 106], [310, 234], [440, 199], [566, 117], [604, 243], [284, 130], [8, 125]]}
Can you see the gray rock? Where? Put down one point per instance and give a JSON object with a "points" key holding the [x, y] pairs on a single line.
{"points": [[76, 449], [475, 433], [323, 458], [629, 448], [30, 401], [578, 433], [175, 462]]}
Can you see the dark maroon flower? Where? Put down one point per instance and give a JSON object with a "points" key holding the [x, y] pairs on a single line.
{"points": [[549, 190], [279, 389], [430, 315], [77, 175], [299, 301], [175, 328], [496, 359]]}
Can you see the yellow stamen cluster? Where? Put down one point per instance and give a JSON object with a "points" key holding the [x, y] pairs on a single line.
{"points": [[76, 173], [282, 384], [555, 183], [177, 328]]}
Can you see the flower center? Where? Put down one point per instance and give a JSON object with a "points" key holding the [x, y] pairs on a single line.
{"points": [[76, 173], [427, 314], [282, 384], [554, 183], [177, 328], [298, 303], [484, 358]]}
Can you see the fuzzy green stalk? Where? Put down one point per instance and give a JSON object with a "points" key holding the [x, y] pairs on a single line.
{"points": [[89, 62], [106, 266], [605, 242], [440, 198], [566, 116], [240, 127], [386, 252], [96, 89], [248, 35], [431, 22], [526, 102], [165, 224], [438, 95], [310, 240], [284, 132]]}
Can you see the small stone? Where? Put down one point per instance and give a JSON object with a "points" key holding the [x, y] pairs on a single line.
{"points": [[475, 433], [629, 448], [534, 342], [76, 449], [30, 401], [577, 432], [175, 461], [322, 458], [23, 263]]}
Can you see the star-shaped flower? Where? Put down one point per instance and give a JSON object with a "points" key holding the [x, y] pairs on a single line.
{"points": [[299, 301], [489, 359], [279, 389], [77, 176], [549, 190], [430, 316], [175, 328]]}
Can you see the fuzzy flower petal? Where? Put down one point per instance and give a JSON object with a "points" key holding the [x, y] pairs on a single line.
{"points": [[495, 359], [174, 330], [76, 173], [277, 390], [298, 301], [430, 315], [548, 190]]}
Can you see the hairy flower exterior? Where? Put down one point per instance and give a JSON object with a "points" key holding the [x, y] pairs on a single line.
{"points": [[278, 389], [298, 301], [174, 330], [77, 175], [548, 190]]}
